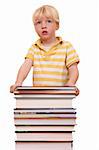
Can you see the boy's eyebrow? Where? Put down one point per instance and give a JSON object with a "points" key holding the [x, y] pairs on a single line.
{"points": [[36, 20], [40, 18]]}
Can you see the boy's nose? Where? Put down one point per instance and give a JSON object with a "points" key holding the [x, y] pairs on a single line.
{"points": [[43, 24]]}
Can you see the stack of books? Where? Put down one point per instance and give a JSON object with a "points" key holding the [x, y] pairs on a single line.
{"points": [[44, 118]]}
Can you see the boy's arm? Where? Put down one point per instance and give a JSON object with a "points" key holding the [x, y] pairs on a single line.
{"points": [[22, 74], [73, 75]]}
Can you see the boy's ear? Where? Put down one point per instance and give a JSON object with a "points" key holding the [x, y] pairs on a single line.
{"points": [[57, 25]]}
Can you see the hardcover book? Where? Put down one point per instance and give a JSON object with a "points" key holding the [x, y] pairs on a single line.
{"points": [[44, 127], [43, 145], [44, 136], [45, 121]]}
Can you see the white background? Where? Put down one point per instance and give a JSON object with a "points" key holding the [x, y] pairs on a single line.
{"points": [[79, 25]]}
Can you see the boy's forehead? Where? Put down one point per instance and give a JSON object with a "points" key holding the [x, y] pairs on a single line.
{"points": [[43, 17]]}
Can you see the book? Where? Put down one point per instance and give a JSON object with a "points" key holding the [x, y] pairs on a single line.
{"points": [[46, 87], [44, 136], [45, 121], [44, 128], [46, 90], [20, 145], [31, 115], [44, 96], [44, 110], [44, 100], [43, 103]]}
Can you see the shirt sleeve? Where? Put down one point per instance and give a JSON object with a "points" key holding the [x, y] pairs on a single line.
{"points": [[30, 54], [71, 55]]}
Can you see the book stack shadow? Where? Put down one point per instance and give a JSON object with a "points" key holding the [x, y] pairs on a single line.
{"points": [[44, 118]]}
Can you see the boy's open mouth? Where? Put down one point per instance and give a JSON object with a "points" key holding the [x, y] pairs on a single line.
{"points": [[44, 32]]}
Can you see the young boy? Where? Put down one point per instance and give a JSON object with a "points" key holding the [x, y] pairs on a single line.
{"points": [[54, 61]]}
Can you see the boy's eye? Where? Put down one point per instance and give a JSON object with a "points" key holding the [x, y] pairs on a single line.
{"points": [[49, 21], [38, 22]]}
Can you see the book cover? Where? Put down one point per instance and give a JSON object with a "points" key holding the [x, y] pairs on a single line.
{"points": [[44, 136], [44, 128], [43, 103], [45, 121], [20, 145]]}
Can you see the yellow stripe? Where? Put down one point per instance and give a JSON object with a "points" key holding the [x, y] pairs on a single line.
{"points": [[50, 53], [68, 45], [48, 66], [50, 73], [65, 45], [50, 59], [29, 56], [72, 59], [71, 52], [72, 62], [49, 79]]}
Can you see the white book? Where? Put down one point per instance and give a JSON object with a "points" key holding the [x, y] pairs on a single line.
{"points": [[43, 128], [43, 103], [43, 145], [44, 96], [45, 121], [31, 115], [46, 88], [44, 110], [43, 136]]}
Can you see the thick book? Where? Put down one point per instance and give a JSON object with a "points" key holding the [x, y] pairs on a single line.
{"points": [[44, 98], [43, 145], [44, 136], [44, 128], [45, 121], [33, 115], [44, 110], [43, 103], [46, 90]]}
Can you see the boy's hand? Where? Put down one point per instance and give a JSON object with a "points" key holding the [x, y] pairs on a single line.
{"points": [[69, 84], [13, 87]]}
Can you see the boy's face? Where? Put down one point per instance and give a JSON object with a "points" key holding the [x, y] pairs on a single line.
{"points": [[45, 28]]}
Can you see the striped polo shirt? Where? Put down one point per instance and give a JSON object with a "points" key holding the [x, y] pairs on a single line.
{"points": [[50, 67]]}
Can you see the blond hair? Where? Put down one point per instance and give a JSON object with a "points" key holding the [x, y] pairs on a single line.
{"points": [[48, 11]]}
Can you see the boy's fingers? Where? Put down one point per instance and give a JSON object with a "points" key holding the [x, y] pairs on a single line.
{"points": [[12, 88]]}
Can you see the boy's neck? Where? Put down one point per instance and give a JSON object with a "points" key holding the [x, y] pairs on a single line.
{"points": [[51, 42]]}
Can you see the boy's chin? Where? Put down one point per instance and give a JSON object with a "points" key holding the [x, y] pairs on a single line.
{"points": [[45, 38]]}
